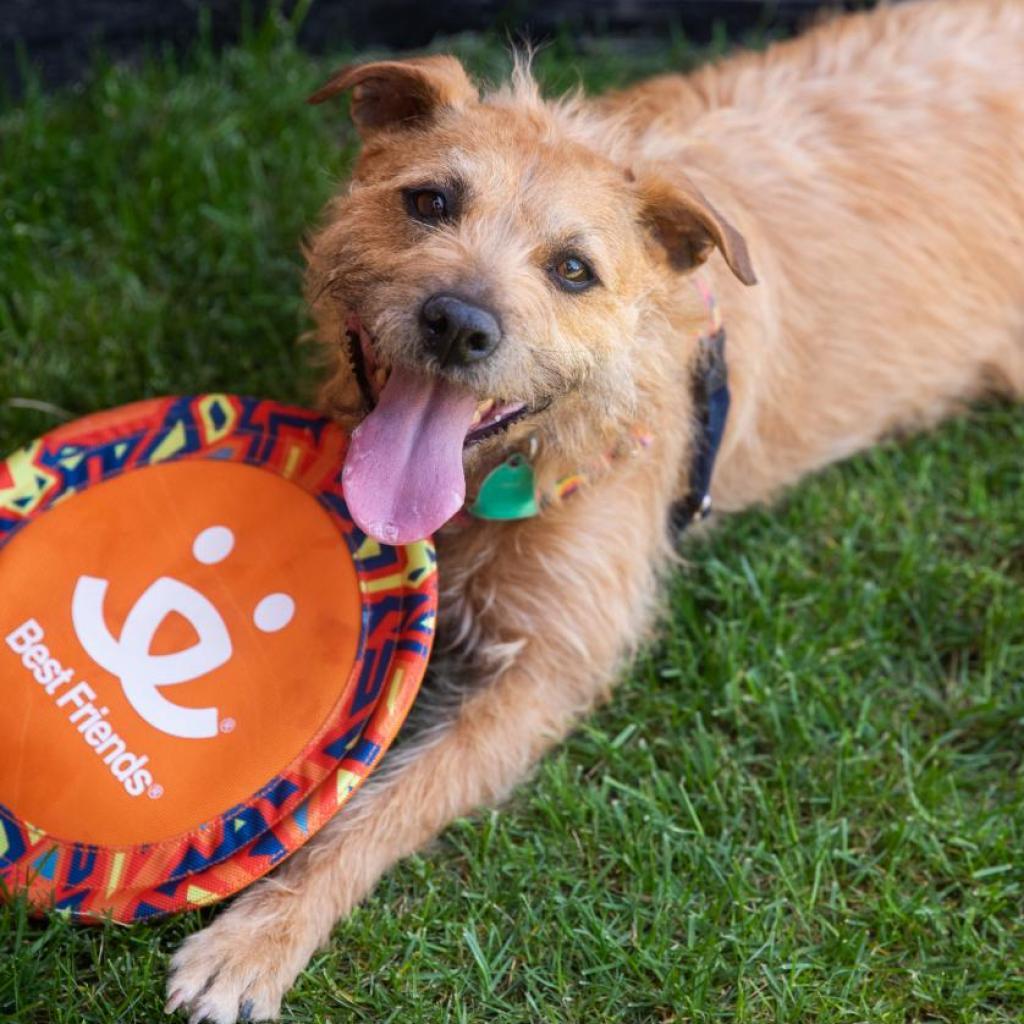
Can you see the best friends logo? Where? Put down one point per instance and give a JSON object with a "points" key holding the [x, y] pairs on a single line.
{"points": [[130, 658], [143, 673], [127, 767]]}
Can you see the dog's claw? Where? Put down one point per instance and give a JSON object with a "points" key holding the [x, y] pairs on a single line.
{"points": [[175, 1000]]}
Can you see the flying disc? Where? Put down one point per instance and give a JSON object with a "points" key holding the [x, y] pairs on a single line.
{"points": [[201, 655]]}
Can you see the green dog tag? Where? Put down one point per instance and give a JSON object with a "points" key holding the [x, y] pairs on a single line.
{"points": [[509, 491]]}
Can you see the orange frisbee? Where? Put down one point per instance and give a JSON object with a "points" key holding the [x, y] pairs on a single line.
{"points": [[202, 656]]}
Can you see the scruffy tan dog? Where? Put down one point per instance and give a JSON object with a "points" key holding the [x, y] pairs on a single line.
{"points": [[507, 278]]}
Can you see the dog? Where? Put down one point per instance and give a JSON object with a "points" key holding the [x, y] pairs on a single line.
{"points": [[535, 312]]}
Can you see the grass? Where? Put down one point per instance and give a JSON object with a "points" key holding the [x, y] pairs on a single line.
{"points": [[805, 803]]}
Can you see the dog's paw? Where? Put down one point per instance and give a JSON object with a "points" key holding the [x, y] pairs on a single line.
{"points": [[233, 970]]}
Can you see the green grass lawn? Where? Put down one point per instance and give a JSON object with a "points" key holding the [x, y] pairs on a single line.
{"points": [[805, 803]]}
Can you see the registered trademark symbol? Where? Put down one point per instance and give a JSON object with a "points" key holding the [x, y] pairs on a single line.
{"points": [[155, 791], [227, 725]]}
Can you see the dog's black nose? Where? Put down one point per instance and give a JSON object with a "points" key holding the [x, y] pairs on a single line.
{"points": [[456, 332]]}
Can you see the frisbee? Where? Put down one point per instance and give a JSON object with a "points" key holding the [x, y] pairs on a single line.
{"points": [[201, 655]]}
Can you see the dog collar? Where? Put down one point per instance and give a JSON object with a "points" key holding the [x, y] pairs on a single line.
{"points": [[711, 400], [509, 491]]}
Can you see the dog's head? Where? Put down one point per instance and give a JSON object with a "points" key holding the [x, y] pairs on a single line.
{"points": [[486, 275]]}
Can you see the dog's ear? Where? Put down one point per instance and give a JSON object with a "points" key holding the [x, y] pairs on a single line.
{"points": [[687, 225], [390, 93]]}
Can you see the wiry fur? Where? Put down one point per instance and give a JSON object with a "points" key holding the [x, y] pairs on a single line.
{"points": [[876, 169]]}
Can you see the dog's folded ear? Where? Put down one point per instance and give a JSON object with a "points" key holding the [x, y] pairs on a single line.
{"points": [[392, 93], [687, 225]]}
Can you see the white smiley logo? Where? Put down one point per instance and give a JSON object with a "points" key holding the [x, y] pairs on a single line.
{"points": [[141, 673]]}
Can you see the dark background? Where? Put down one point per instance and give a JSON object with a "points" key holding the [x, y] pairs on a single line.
{"points": [[58, 38]]}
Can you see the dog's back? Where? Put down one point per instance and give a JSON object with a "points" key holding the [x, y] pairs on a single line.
{"points": [[876, 167]]}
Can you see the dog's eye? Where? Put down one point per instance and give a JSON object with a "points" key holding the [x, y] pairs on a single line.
{"points": [[428, 204], [573, 274]]}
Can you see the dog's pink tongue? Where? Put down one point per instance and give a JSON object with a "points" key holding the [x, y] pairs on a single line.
{"points": [[403, 473]]}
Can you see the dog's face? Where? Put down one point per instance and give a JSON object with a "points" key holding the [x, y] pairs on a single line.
{"points": [[485, 275]]}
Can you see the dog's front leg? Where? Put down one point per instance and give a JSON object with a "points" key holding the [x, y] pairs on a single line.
{"points": [[567, 605]]}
